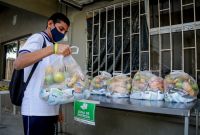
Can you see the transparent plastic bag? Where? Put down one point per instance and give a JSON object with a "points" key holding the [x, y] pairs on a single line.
{"points": [[146, 85], [119, 86], [63, 80], [99, 83], [55, 73], [180, 87]]}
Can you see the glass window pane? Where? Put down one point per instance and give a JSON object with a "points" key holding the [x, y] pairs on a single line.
{"points": [[95, 65], [96, 17], [102, 55], [188, 14], [166, 63], [110, 63], [118, 21], [165, 41], [89, 55], [135, 18], [189, 38], [144, 61], [96, 40], [103, 25], [135, 52], [197, 5], [11, 54], [198, 48], [126, 63], [89, 28], [110, 14], [187, 1], [164, 4], [142, 7], [126, 35], [154, 22], [189, 61], [177, 50], [110, 37], [144, 34], [126, 10], [164, 18], [154, 55], [176, 12], [118, 53]]}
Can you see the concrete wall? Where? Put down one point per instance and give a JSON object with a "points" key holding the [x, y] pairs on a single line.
{"points": [[16, 22]]}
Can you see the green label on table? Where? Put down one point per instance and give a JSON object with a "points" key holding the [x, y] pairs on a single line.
{"points": [[84, 112]]}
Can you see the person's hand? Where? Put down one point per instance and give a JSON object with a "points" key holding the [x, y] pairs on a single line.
{"points": [[61, 117], [64, 49]]}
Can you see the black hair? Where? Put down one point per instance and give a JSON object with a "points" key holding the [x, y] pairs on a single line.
{"points": [[57, 17]]}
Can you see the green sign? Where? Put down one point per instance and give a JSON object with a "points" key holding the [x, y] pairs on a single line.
{"points": [[84, 111]]}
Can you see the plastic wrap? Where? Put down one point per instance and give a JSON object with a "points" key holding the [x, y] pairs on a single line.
{"points": [[98, 84], [180, 87], [119, 86], [146, 85], [64, 81]]}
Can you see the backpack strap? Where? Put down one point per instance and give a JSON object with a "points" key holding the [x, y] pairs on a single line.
{"points": [[36, 64]]}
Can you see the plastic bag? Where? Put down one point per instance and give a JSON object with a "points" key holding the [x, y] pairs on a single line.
{"points": [[180, 87], [64, 81], [119, 86], [99, 83], [146, 85]]}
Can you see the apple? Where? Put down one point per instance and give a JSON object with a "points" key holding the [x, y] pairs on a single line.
{"points": [[58, 77], [49, 79]]}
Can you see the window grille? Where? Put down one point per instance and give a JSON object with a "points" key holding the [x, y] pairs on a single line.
{"points": [[156, 35]]}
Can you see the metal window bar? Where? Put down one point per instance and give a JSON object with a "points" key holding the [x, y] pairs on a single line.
{"points": [[160, 30]]}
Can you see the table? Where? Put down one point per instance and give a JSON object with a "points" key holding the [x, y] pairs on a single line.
{"points": [[159, 107]]}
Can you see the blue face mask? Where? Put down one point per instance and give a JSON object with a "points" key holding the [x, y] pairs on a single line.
{"points": [[57, 36]]}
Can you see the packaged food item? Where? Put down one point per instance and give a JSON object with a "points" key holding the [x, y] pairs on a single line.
{"points": [[99, 83], [146, 85], [180, 87], [63, 79], [119, 86]]}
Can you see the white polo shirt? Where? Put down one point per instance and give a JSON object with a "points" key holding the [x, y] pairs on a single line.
{"points": [[32, 104]]}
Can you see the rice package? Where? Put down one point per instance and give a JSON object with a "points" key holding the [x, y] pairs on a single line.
{"points": [[180, 87], [148, 86], [119, 86]]}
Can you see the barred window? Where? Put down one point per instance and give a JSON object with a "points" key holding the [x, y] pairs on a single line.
{"points": [[156, 35]]}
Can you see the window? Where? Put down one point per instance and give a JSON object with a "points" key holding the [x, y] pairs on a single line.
{"points": [[11, 49], [156, 35]]}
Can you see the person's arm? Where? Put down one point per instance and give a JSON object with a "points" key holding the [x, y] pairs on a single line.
{"points": [[27, 59]]}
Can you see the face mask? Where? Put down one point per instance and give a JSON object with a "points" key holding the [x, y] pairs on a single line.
{"points": [[57, 36]]}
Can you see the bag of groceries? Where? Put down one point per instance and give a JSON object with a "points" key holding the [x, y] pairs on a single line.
{"points": [[63, 81], [146, 85], [99, 83], [180, 87], [119, 86]]}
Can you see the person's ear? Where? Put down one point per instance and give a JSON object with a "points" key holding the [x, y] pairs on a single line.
{"points": [[50, 24]]}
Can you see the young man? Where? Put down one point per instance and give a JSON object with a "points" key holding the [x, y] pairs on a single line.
{"points": [[39, 118]]}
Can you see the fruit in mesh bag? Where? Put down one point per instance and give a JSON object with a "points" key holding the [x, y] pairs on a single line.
{"points": [[58, 77]]}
